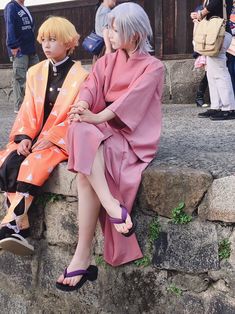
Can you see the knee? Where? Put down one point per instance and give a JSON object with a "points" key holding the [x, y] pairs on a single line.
{"points": [[82, 181], [82, 130]]}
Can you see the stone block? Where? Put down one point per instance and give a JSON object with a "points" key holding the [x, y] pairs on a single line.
{"points": [[219, 203], [17, 273], [61, 181], [220, 304], [12, 303], [54, 260], [2, 205], [163, 188], [7, 81], [180, 87], [61, 222], [193, 283], [188, 248]]}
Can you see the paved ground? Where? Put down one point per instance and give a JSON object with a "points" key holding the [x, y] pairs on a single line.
{"points": [[186, 139]]}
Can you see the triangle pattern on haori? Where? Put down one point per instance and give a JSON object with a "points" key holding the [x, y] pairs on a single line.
{"points": [[61, 124], [50, 169], [54, 113], [38, 156], [56, 150], [25, 162], [61, 141], [29, 177]]}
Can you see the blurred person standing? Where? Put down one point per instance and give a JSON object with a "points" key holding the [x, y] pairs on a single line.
{"points": [[101, 24], [219, 80], [231, 51], [20, 41]]}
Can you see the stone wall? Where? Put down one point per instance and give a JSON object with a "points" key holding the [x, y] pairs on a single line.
{"points": [[181, 81], [182, 271]]}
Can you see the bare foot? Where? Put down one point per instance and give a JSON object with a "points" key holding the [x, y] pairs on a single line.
{"points": [[116, 212], [75, 264]]}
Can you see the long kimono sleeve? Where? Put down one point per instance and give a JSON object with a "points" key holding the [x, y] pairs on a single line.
{"points": [[92, 89], [132, 106], [26, 121], [57, 134]]}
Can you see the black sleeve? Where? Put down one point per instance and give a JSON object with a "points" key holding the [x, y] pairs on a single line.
{"points": [[21, 137], [213, 5]]}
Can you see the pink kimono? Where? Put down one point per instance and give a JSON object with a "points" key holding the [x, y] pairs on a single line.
{"points": [[132, 89]]}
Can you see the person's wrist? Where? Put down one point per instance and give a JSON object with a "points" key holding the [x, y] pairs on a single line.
{"points": [[199, 15], [99, 118]]}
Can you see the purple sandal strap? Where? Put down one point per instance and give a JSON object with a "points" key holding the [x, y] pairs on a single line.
{"points": [[78, 272], [119, 220]]}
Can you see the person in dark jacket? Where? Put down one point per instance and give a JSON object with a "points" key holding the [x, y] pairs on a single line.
{"points": [[20, 42], [219, 80]]}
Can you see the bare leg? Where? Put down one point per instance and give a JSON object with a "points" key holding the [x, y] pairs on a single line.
{"points": [[88, 212], [99, 183]]}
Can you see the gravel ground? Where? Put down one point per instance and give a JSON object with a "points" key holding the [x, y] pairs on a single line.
{"points": [[186, 140]]}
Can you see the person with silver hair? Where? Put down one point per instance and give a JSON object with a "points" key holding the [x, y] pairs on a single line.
{"points": [[118, 118]]}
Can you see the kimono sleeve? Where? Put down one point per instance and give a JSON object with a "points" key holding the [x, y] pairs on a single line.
{"points": [[131, 107], [26, 120], [92, 89], [57, 134]]}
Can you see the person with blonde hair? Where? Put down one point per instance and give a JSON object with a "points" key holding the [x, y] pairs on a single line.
{"points": [[118, 116], [37, 139]]}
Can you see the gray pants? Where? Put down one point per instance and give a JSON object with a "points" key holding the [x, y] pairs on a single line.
{"points": [[219, 79], [20, 67]]}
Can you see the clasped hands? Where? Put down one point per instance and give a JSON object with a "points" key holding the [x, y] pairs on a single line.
{"points": [[25, 146], [80, 113]]}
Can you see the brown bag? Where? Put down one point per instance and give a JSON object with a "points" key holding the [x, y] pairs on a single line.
{"points": [[209, 35]]}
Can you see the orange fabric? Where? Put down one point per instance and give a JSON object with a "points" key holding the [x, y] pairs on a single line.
{"points": [[22, 220], [25, 220], [37, 167]]}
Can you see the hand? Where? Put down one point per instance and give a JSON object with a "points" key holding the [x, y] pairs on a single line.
{"points": [[24, 147], [41, 144], [15, 51], [76, 110], [89, 117], [194, 15]]}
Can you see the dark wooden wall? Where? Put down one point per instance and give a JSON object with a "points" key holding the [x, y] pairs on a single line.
{"points": [[169, 18]]}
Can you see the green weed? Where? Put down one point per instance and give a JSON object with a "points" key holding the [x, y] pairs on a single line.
{"points": [[224, 249], [143, 262], [179, 217], [174, 290], [153, 234]]}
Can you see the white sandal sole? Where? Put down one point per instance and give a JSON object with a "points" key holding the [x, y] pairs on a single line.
{"points": [[16, 246]]}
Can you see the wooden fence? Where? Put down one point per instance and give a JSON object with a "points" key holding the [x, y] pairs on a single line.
{"points": [[170, 21]]}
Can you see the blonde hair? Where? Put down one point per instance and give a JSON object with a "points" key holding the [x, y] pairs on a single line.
{"points": [[131, 19], [60, 28]]}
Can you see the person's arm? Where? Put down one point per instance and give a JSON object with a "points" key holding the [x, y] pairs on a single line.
{"points": [[95, 118], [129, 109], [198, 16], [12, 40]]}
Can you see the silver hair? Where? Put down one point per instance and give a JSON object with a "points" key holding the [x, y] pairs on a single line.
{"points": [[131, 19]]}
